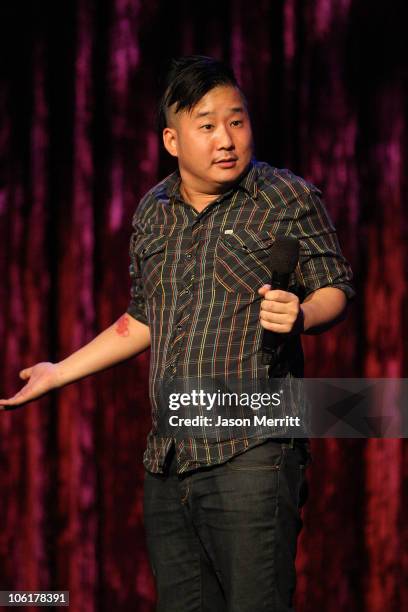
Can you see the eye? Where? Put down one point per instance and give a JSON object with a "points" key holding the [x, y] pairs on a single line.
{"points": [[237, 122], [206, 127]]}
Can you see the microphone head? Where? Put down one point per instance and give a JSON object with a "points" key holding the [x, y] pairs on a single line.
{"points": [[284, 254]]}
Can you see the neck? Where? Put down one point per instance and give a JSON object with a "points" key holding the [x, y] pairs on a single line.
{"points": [[200, 194], [197, 199]]}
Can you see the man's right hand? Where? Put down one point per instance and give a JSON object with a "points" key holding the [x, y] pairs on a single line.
{"points": [[41, 378]]}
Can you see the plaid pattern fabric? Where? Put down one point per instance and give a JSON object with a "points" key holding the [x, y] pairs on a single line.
{"points": [[195, 277]]}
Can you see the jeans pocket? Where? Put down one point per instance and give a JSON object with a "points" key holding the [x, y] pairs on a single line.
{"points": [[297, 461], [266, 456]]}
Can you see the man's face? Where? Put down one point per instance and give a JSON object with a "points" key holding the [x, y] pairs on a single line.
{"points": [[213, 142]]}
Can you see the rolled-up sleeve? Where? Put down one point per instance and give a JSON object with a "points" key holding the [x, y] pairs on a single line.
{"points": [[321, 262], [137, 303]]}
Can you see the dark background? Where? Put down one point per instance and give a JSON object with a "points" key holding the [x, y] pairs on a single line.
{"points": [[327, 86]]}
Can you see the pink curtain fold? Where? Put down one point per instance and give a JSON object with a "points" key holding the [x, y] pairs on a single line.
{"points": [[326, 84]]}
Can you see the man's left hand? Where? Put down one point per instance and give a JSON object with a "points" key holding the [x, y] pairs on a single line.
{"points": [[280, 311]]}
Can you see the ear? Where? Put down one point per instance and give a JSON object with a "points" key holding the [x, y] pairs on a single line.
{"points": [[170, 140]]}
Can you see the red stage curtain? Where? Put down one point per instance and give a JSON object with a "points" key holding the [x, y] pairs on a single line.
{"points": [[325, 82]]}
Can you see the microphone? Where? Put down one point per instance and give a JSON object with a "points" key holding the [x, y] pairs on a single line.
{"points": [[284, 256]]}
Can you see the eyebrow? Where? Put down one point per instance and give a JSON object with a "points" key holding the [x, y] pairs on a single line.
{"points": [[235, 109]]}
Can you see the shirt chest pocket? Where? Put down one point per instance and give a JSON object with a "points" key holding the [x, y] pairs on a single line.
{"points": [[151, 251], [242, 262]]}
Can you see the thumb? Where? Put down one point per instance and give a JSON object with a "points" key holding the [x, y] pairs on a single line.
{"points": [[24, 374], [262, 290]]}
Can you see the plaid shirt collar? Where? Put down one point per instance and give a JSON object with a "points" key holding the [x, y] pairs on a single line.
{"points": [[248, 183]]}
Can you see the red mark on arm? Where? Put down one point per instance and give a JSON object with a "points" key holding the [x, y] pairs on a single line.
{"points": [[122, 326]]}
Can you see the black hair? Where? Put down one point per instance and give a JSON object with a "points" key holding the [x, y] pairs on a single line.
{"points": [[188, 79]]}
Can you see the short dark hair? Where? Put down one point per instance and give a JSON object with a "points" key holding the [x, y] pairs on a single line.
{"points": [[188, 79]]}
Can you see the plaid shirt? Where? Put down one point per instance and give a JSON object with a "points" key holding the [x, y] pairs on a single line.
{"points": [[195, 277]]}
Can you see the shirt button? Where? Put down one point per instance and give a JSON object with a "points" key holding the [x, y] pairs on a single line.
{"points": [[188, 256], [179, 327], [186, 290]]}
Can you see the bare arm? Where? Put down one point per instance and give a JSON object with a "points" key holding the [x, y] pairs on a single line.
{"points": [[323, 309], [125, 338], [121, 340]]}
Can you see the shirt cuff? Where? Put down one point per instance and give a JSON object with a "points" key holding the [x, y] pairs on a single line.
{"points": [[347, 289], [138, 313]]}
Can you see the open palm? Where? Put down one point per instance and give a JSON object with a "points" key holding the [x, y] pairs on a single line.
{"points": [[41, 378]]}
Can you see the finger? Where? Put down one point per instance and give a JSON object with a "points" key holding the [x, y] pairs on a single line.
{"points": [[16, 398], [273, 317], [11, 401], [26, 373], [6, 401], [276, 327], [272, 306], [262, 290], [277, 295]]}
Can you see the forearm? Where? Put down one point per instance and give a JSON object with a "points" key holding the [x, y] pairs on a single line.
{"points": [[323, 309], [125, 338]]}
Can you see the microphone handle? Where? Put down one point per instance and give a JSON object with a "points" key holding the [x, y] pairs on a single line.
{"points": [[280, 281]]}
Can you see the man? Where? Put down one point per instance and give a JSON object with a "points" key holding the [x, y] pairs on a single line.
{"points": [[221, 508]]}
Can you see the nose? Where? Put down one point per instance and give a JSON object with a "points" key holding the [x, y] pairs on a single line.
{"points": [[224, 138]]}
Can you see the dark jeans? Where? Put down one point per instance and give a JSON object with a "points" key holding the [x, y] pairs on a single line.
{"points": [[224, 538]]}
